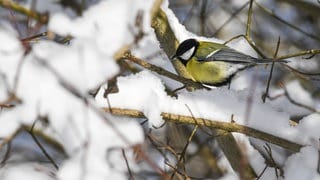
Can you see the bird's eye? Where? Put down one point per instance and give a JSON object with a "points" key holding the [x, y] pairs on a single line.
{"points": [[187, 54]]}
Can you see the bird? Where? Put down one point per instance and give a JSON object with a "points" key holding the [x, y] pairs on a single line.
{"points": [[212, 63]]}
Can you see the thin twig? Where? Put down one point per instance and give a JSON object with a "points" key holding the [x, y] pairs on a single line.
{"points": [[230, 18], [202, 16], [249, 20], [318, 164], [301, 72], [30, 38], [161, 71], [43, 150], [298, 103], [6, 155], [161, 146], [127, 164], [181, 173], [262, 172], [250, 42], [184, 150], [271, 162], [301, 53], [234, 38], [271, 71], [9, 4], [272, 14], [188, 142], [189, 14]]}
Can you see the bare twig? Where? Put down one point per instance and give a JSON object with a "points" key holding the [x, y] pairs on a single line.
{"points": [[127, 164], [272, 14], [43, 150], [181, 173], [271, 71], [303, 75], [161, 146], [271, 162], [249, 20], [234, 38], [184, 150], [9, 4], [189, 14], [318, 164], [297, 103], [262, 172], [301, 53], [161, 71], [250, 42], [49, 140], [202, 16], [30, 38], [6, 155], [230, 18]]}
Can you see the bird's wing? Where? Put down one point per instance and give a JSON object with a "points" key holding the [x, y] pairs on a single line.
{"points": [[232, 56]]}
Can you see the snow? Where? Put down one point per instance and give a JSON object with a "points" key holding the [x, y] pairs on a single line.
{"points": [[229, 176], [218, 104], [11, 52], [179, 30], [303, 165], [107, 23], [81, 63], [310, 127], [299, 94], [27, 171], [55, 81], [95, 152], [143, 90]]}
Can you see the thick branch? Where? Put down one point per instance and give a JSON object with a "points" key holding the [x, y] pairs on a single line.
{"points": [[229, 127], [166, 38]]}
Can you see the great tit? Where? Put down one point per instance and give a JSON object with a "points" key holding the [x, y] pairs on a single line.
{"points": [[212, 63]]}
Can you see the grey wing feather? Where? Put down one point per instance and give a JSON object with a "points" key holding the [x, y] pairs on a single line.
{"points": [[233, 56]]}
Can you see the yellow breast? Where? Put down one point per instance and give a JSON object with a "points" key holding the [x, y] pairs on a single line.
{"points": [[207, 72]]}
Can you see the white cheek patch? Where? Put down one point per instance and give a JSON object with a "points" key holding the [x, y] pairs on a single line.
{"points": [[187, 55]]}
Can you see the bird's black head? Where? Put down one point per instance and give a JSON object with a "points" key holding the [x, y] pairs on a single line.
{"points": [[186, 50]]}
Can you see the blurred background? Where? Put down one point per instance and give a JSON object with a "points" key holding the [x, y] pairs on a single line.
{"points": [[295, 22]]}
